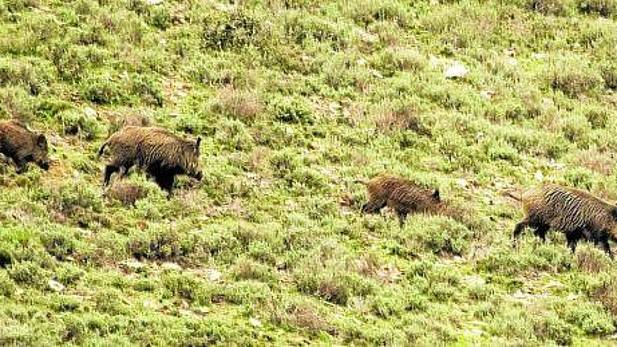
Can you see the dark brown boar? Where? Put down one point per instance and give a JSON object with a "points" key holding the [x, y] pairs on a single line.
{"points": [[401, 195], [578, 214], [157, 151], [23, 146]]}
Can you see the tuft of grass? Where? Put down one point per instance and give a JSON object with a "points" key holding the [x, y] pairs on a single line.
{"points": [[393, 118], [240, 104], [573, 80], [609, 74], [607, 295]]}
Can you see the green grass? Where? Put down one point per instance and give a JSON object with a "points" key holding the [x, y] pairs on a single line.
{"points": [[294, 101]]}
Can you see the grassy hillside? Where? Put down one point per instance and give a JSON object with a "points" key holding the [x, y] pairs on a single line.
{"points": [[296, 99]]}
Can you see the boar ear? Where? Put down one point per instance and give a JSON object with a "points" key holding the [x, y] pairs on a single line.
{"points": [[436, 195], [41, 141], [614, 212], [197, 143]]}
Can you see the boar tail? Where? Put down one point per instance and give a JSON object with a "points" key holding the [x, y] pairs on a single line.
{"points": [[513, 196]]}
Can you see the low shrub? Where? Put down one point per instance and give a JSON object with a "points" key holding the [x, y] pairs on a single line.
{"points": [[574, 80], [604, 8]]}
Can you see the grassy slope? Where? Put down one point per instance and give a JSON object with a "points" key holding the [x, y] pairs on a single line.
{"points": [[296, 99]]}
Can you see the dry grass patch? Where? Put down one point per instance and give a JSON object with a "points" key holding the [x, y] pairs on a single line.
{"points": [[126, 193], [573, 80], [397, 118], [591, 260], [242, 104], [599, 162]]}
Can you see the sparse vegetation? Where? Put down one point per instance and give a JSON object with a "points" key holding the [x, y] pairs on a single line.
{"points": [[294, 100]]}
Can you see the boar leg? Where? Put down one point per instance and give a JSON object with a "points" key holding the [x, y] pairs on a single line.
{"points": [[572, 237], [518, 229], [166, 182], [20, 165], [540, 231], [109, 170], [605, 246], [402, 216]]}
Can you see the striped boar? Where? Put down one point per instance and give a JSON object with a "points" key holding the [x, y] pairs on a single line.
{"points": [[23, 146], [578, 214], [157, 151]]}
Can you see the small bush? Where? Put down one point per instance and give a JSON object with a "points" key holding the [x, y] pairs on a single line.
{"points": [[508, 261], [441, 236], [69, 273], [301, 28], [577, 130], [325, 275], [245, 293], [387, 306], [28, 273], [7, 286], [306, 316], [79, 123], [394, 118], [110, 302], [147, 89], [591, 260], [598, 117], [241, 104], [575, 81], [74, 196], [58, 244], [553, 328], [604, 8], [606, 293], [580, 178], [228, 30], [15, 102], [291, 110], [549, 7], [120, 120], [163, 244], [367, 12], [186, 287], [103, 88], [34, 75], [246, 269], [609, 74], [590, 318], [596, 161], [391, 61]]}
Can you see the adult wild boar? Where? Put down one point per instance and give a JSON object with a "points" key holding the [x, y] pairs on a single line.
{"points": [[157, 151], [578, 214], [22, 145]]}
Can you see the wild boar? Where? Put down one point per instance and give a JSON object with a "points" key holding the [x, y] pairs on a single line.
{"points": [[401, 195], [157, 151], [23, 146], [578, 214]]}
